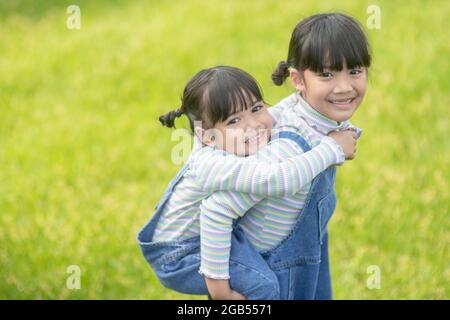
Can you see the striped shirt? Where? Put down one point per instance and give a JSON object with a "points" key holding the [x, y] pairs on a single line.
{"points": [[280, 171], [180, 218]]}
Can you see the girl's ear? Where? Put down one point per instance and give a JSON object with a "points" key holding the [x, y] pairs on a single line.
{"points": [[205, 136], [297, 79]]}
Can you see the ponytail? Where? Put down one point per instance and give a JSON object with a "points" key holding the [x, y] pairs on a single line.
{"points": [[168, 119], [281, 73]]}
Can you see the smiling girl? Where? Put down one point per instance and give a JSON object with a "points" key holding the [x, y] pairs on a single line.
{"points": [[228, 116]]}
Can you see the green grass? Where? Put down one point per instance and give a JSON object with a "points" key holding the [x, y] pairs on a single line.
{"points": [[84, 160]]}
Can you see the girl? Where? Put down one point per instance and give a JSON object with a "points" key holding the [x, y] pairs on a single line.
{"points": [[328, 61], [227, 101]]}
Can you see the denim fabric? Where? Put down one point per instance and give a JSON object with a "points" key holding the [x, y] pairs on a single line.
{"points": [[176, 263], [301, 260], [298, 268]]}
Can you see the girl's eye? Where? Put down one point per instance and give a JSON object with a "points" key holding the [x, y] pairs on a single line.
{"points": [[233, 121], [355, 72], [325, 74], [257, 108]]}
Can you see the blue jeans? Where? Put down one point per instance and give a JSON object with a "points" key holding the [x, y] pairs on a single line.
{"points": [[301, 260], [176, 263]]}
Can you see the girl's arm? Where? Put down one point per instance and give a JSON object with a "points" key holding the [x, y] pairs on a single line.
{"points": [[218, 170], [217, 213]]}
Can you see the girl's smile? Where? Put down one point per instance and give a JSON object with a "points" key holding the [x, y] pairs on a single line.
{"points": [[335, 94], [256, 139], [343, 103], [244, 132]]}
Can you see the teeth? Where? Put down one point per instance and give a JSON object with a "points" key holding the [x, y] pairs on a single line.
{"points": [[255, 138], [341, 101]]}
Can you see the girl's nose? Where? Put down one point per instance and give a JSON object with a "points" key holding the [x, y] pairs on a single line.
{"points": [[343, 86], [253, 123]]}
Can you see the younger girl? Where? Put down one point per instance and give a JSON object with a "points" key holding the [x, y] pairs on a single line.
{"points": [[229, 101]]}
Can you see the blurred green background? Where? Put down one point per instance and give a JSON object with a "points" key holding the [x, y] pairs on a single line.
{"points": [[83, 158]]}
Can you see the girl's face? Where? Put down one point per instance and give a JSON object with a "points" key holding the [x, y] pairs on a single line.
{"points": [[335, 94], [243, 133]]}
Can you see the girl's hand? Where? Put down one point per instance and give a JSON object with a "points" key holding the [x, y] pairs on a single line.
{"points": [[220, 290], [347, 140], [232, 295]]}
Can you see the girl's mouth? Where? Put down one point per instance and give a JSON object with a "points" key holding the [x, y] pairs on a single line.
{"points": [[342, 102], [256, 139]]}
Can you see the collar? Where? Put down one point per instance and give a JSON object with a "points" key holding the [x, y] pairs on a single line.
{"points": [[319, 122]]}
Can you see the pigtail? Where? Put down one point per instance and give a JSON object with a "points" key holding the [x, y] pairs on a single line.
{"points": [[281, 73], [168, 119]]}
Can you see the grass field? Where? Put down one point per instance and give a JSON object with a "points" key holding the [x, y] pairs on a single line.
{"points": [[83, 159]]}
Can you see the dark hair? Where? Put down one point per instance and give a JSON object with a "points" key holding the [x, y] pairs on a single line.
{"points": [[213, 95], [325, 41]]}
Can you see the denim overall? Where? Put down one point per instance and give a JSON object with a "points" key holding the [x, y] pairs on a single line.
{"points": [[296, 269], [301, 260], [176, 263]]}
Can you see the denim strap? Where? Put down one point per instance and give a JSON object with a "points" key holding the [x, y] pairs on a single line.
{"points": [[294, 137]]}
